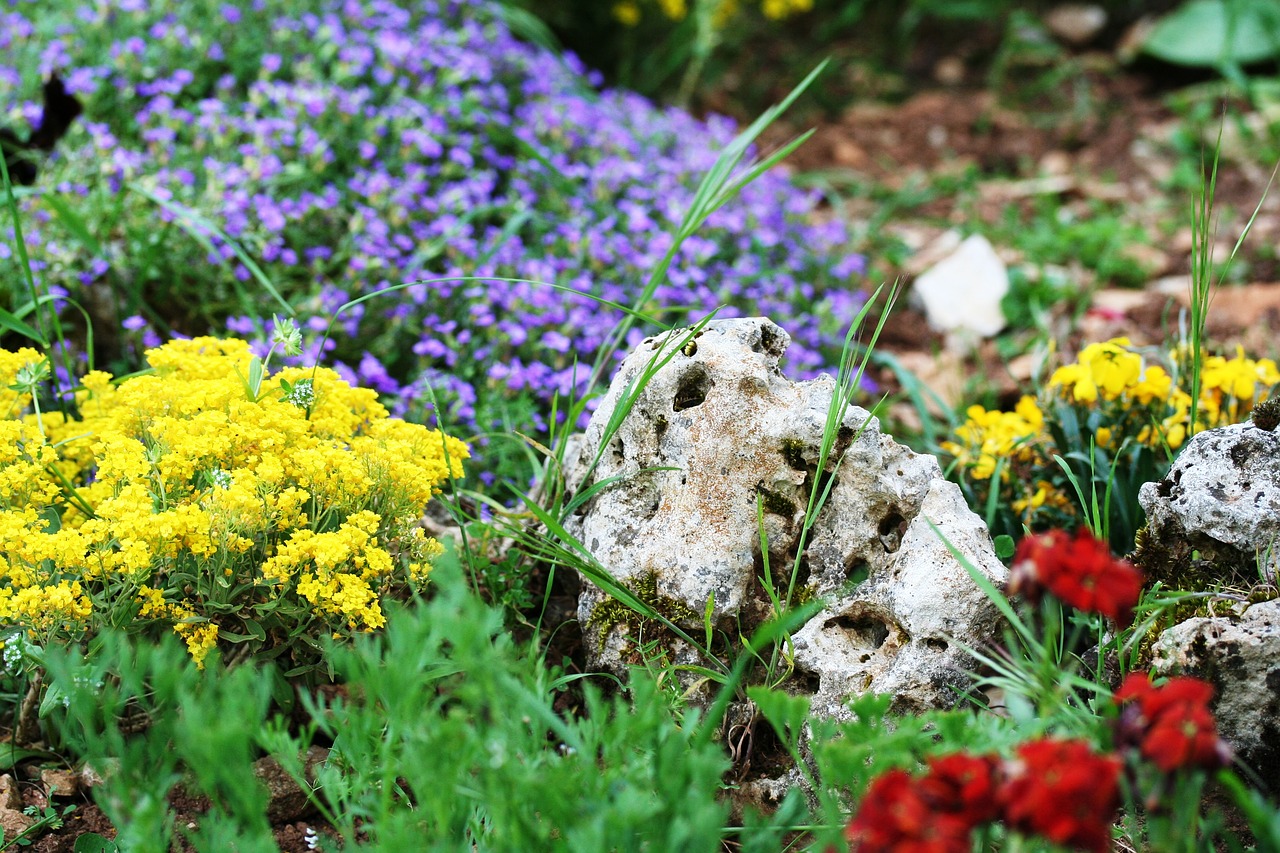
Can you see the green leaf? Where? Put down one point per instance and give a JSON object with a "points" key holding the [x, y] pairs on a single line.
{"points": [[256, 372], [786, 713], [1210, 33], [74, 223], [12, 756], [92, 842], [13, 324], [1004, 546]]}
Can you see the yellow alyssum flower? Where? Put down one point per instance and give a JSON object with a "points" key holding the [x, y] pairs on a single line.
{"points": [[674, 9], [778, 9], [1238, 377], [62, 605], [188, 489], [10, 363]]}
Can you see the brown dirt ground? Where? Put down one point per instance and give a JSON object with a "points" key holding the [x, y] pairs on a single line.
{"points": [[1119, 151]]}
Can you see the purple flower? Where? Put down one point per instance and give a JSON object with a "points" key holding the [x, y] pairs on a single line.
{"points": [[434, 146]]}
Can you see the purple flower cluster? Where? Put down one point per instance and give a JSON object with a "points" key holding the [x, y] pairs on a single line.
{"points": [[348, 146]]}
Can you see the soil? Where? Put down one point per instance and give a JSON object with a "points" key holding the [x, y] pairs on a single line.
{"points": [[961, 149], [291, 837]]}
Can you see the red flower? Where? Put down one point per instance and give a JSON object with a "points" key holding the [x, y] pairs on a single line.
{"points": [[1079, 572], [1172, 723], [1062, 791], [896, 817], [963, 785]]}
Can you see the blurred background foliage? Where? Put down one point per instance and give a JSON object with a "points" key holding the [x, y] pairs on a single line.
{"points": [[697, 52]]}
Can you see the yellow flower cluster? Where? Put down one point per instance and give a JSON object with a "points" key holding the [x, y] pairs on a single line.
{"points": [[1112, 386], [630, 12], [184, 495], [987, 437]]}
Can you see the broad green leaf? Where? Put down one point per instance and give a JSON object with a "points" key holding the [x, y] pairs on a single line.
{"points": [[1209, 33]]}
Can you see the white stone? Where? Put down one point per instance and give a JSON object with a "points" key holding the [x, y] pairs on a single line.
{"points": [[962, 292], [1076, 24], [716, 429]]}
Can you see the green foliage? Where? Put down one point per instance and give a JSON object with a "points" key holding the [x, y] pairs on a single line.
{"points": [[196, 730], [1222, 34], [446, 732], [47, 819], [1100, 239]]}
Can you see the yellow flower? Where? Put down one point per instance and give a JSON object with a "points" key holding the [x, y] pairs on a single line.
{"points": [[1155, 384], [988, 436], [673, 9], [1106, 368], [779, 9], [200, 637], [627, 13], [186, 487]]}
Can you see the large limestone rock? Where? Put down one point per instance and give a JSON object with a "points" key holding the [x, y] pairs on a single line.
{"points": [[1240, 656], [1214, 522], [1221, 499], [715, 432]]}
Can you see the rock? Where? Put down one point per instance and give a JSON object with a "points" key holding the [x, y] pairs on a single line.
{"points": [[60, 782], [1221, 498], [10, 796], [1077, 24], [715, 432], [962, 292], [13, 821], [1240, 656], [1214, 522]]}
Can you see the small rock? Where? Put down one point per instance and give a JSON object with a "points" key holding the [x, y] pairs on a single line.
{"points": [[1221, 498], [13, 821], [949, 71], [847, 153], [10, 798], [1055, 162], [1240, 656], [90, 775], [60, 782], [1077, 24], [962, 292]]}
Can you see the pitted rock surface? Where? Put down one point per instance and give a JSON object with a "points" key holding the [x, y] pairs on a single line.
{"points": [[1220, 498], [1240, 657], [717, 431]]}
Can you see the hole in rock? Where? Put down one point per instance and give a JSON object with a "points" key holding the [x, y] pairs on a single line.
{"points": [[891, 522], [772, 342], [864, 629], [856, 572], [892, 526], [936, 644], [807, 682], [692, 391]]}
